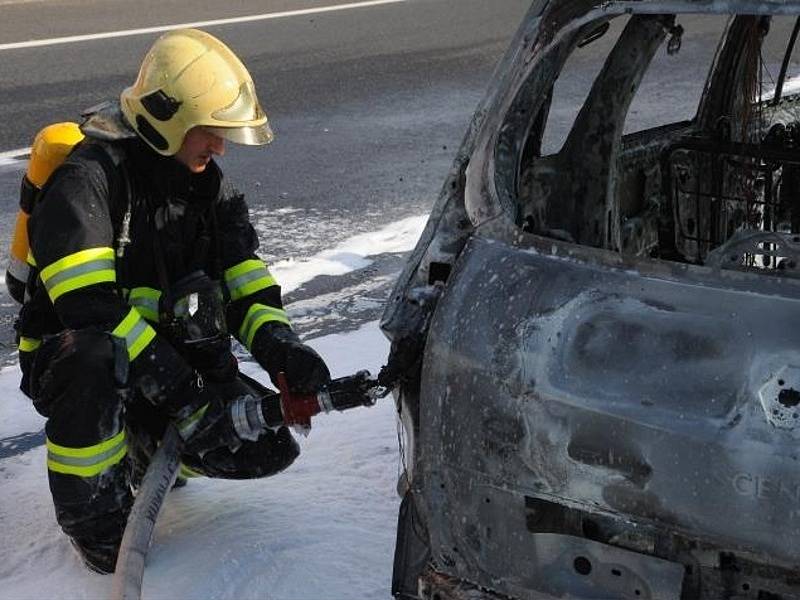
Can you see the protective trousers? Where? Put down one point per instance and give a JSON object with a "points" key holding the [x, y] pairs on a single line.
{"points": [[100, 434]]}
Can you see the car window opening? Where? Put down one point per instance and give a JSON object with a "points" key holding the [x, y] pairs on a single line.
{"points": [[656, 160]]}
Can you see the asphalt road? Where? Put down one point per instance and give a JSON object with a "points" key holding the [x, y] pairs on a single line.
{"points": [[369, 105]]}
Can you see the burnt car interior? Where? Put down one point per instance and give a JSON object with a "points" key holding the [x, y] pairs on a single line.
{"points": [[720, 189]]}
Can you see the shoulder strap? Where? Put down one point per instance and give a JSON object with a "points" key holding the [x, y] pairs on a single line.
{"points": [[112, 158], [216, 262]]}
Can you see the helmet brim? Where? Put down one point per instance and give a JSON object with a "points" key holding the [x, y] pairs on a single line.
{"points": [[252, 135]]}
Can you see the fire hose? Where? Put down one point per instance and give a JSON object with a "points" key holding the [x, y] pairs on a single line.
{"points": [[284, 408]]}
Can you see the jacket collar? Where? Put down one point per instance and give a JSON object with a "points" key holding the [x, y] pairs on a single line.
{"points": [[169, 180]]}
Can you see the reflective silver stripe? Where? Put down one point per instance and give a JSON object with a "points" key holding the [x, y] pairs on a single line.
{"points": [[83, 268], [86, 461], [234, 284], [243, 285], [139, 327], [136, 332], [248, 277], [146, 301], [147, 307], [100, 264], [257, 315]]}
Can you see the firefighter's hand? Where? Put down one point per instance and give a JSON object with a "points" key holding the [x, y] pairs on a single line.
{"points": [[277, 348], [224, 370], [212, 357], [208, 427], [306, 372]]}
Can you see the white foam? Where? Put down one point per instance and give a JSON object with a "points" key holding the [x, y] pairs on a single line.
{"points": [[351, 254], [323, 529]]}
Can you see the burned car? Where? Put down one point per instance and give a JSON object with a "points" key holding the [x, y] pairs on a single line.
{"points": [[598, 333]]}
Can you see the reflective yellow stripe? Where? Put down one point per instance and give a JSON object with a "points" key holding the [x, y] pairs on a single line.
{"points": [[78, 270], [87, 471], [136, 332], [85, 280], [187, 472], [27, 344], [257, 315], [30, 260], [188, 425], [87, 461], [145, 300], [87, 451], [248, 277]]}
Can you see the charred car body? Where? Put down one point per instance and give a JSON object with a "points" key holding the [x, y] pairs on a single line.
{"points": [[598, 334]]}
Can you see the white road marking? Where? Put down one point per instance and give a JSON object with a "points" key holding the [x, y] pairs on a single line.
{"points": [[18, 153], [199, 24], [11, 157]]}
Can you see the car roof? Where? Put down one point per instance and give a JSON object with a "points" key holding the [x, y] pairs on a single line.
{"points": [[768, 7], [558, 14]]}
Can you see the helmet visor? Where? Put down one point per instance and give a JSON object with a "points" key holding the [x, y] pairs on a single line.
{"points": [[251, 135]]}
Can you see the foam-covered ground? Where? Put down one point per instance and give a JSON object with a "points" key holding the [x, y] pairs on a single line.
{"points": [[323, 529]]}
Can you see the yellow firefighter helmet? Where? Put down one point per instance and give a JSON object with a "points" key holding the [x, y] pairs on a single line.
{"points": [[189, 78]]}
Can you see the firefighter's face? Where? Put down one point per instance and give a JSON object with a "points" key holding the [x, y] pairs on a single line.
{"points": [[198, 147]]}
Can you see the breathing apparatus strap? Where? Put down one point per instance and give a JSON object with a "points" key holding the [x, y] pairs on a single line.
{"points": [[216, 264], [167, 303], [123, 238]]}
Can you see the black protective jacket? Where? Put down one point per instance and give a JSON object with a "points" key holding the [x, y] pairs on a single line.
{"points": [[113, 233]]}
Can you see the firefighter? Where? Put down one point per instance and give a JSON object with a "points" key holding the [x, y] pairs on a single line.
{"points": [[143, 266]]}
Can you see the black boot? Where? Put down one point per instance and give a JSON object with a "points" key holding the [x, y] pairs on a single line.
{"points": [[98, 557]]}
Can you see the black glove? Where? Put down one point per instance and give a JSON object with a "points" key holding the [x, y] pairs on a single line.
{"points": [[306, 372], [277, 348], [200, 415], [178, 391], [178, 397], [213, 430], [212, 357]]}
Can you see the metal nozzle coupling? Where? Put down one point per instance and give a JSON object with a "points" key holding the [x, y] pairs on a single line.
{"points": [[251, 416], [248, 418]]}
